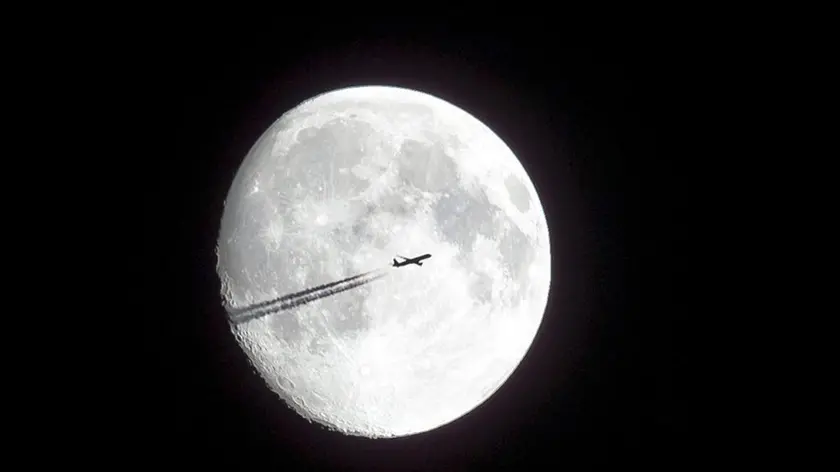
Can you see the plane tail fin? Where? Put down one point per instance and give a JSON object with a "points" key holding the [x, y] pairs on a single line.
{"points": [[395, 262]]}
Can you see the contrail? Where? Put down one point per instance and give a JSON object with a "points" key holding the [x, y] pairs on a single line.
{"points": [[256, 306], [309, 297], [316, 296]]}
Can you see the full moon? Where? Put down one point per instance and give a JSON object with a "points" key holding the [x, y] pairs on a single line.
{"points": [[342, 185]]}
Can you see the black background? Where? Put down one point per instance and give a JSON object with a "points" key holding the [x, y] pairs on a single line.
{"points": [[590, 121]]}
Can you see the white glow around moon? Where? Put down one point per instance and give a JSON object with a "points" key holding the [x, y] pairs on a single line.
{"points": [[337, 187]]}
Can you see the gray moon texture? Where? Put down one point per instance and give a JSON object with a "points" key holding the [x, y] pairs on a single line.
{"points": [[339, 186]]}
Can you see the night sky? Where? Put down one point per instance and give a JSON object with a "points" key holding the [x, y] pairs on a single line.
{"points": [[590, 121]]}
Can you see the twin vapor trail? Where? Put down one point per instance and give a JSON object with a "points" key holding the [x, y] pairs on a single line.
{"points": [[293, 300]]}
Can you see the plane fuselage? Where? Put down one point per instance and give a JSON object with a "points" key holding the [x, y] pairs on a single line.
{"points": [[414, 260]]}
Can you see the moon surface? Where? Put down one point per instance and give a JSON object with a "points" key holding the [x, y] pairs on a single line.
{"points": [[340, 185]]}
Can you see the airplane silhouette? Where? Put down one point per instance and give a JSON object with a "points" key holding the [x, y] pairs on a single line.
{"points": [[406, 261]]}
